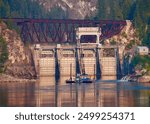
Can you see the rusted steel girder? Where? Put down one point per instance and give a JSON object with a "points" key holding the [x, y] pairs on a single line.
{"points": [[53, 30]]}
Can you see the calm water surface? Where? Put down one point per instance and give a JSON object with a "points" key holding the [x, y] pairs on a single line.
{"points": [[100, 94]]}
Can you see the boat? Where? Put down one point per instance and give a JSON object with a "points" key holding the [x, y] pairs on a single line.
{"points": [[85, 79], [80, 78], [70, 81]]}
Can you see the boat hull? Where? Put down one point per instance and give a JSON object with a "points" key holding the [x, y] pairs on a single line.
{"points": [[70, 81]]}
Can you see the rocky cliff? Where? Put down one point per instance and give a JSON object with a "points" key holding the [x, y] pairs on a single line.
{"points": [[76, 9], [19, 63], [126, 36]]}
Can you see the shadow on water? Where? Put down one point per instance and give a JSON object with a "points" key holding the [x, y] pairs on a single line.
{"points": [[54, 93], [98, 67]]}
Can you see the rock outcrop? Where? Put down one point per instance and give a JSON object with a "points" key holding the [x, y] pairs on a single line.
{"points": [[126, 36], [76, 9], [19, 63], [144, 79]]}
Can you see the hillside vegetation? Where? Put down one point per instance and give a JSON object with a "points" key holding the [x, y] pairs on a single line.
{"points": [[27, 9], [21, 9], [3, 53], [136, 10]]}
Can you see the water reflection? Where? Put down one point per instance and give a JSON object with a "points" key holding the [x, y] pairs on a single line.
{"points": [[21, 94], [45, 91], [101, 93]]}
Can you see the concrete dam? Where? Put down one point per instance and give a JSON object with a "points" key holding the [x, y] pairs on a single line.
{"points": [[65, 60], [86, 56]]}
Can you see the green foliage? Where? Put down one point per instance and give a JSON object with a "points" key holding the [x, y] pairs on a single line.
{"points": [[21, 9], [114, 9], [144, 61], [106, 10], [136, 10], [28, 9], [130, 45], [113, 42], [3, 54], [141, 20]]}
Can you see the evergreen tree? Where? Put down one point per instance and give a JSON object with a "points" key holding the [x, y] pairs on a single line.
{"points": [[141, 20], [109, 9], [136, 10], [21, 9]]}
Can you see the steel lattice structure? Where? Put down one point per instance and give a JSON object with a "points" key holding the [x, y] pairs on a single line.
{"points": [[53, 30]]}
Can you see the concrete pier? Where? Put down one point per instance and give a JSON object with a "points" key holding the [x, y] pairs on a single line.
{"points": [[87, 60], [107, 60], [67, 61], [47, 62]]}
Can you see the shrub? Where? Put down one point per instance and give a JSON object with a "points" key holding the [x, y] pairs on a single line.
{"points": [[3, 54], [143, 61]]}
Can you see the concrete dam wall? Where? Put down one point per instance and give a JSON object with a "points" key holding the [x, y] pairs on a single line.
{"points": [[70, 60]]}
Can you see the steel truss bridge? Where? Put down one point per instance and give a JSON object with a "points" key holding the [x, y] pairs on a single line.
{"points": [[54, 30]]}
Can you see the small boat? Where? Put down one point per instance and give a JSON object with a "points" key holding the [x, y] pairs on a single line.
{"points": [[85, 79], [80, 78], [70, 81]]}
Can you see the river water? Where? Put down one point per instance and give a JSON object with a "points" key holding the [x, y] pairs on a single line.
{"points": [[50, 93]]}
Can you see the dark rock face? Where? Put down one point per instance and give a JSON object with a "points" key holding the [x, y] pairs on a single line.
{"points": [[19, 63]]}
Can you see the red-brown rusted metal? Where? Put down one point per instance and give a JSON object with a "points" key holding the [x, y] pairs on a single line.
{"points": [[53, 30]]}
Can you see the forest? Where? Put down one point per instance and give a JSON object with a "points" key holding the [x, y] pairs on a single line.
{"points": [[27, 9], [21, 9]]}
